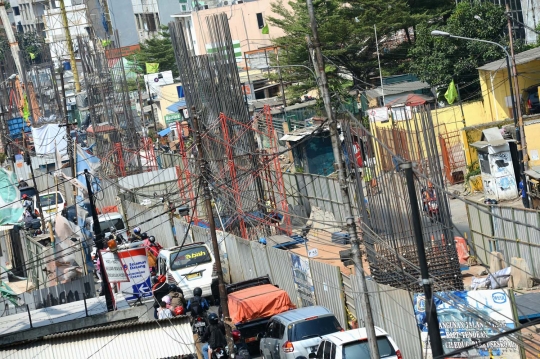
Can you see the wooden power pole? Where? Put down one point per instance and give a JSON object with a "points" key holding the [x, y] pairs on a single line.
{"points": [[213, 235]]}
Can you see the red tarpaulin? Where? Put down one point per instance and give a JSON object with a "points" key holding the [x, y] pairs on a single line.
{"points": [[258, 302]]}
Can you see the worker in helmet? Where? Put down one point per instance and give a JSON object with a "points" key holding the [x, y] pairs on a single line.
{"points": [[136, 235]]}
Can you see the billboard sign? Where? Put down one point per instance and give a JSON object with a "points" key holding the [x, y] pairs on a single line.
{"points": [[302, 280], [114, 268], [135, 263], [458, 313]]}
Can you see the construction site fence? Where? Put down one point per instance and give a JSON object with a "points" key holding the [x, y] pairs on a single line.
{"points": [[313, 282], [153, 220], [320, 191], [77, 290], [494, 229]]}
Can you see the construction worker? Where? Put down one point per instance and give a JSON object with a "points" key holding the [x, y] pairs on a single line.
{"points": [[428, 195]]}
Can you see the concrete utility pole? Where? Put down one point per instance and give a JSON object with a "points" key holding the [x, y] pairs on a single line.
{"points": [[430, 308], [13, 44], [72, 60], [318, 62], [522, 141], [213, 235]]}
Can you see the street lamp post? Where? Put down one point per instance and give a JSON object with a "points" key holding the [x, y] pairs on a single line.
{"points": [[519, 126]]}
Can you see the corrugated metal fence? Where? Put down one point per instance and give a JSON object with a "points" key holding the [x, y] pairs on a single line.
{"points": [[320, 191], [489, 233], [393, 311], [151, 220]]}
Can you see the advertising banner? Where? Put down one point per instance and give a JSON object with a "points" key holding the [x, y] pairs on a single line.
{"points": [[114, 269], [135, 263], [460, 326], [302, 280]]}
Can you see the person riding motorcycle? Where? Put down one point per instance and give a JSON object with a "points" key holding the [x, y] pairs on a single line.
{"points": [[197, 305], [214, 336], [160, 288], [428, 195], [136, 235], [117, 237], [151, 244]]}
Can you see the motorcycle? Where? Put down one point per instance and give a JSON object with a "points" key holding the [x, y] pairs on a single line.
{"points": [[220, 353], [199, 325]]}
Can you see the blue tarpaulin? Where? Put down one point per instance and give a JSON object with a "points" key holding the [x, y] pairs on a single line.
{"points": [[174, 107], [164, 132]]}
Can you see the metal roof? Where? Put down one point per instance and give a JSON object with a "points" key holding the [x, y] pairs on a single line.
{"points": [[521, 58], [397, 88], [300, 133], [150, 339]]}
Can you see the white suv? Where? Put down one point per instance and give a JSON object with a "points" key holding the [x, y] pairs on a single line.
{"points": [[353, 344]]}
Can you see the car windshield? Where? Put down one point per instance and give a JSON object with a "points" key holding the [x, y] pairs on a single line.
{"points": [[360, 349], [314, 328], [49, 199], [114, 222], [190, 257]]}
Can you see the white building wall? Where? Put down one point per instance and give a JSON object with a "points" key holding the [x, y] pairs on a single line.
{"points": [[531, 18]]}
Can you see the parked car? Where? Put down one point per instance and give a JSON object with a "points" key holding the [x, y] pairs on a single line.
{"points": [[51, 203], [188, 266], [106, 221], [353, 344], [296, 333], [532, 102]]}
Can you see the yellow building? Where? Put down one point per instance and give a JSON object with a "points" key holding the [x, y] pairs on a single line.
{"points": [[494, 110], [168, 96]]}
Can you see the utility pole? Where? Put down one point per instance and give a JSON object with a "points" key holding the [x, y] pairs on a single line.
{"points": [[430, 308], [318, 63], [100, 243], [13, 44], [69, 141], [522, 141], [28, 161], [213, 235], [72, 60]]}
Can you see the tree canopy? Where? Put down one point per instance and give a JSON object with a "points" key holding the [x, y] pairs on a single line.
{"points": [[156, 50], [438, 60], [346, 31]]}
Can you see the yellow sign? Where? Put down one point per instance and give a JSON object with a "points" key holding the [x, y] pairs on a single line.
{"points": [[196, 255]]}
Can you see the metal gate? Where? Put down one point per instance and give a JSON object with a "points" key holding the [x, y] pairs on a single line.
{"points": [[453, 156]]}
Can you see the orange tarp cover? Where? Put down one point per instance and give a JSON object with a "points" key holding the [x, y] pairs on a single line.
{"points": [[258, 302]]}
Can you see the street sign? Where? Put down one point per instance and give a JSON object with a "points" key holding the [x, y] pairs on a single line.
{"points": [[314, 252], [114, 269]]}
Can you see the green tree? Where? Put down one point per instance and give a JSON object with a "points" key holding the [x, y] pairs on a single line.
{"points": [[156, 50], [438, 60], [346, 31]]}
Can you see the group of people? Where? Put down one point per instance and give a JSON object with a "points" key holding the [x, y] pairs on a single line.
{"points": [[169, 302]]}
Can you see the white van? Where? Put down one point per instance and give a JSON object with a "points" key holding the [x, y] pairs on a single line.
{"points": [[188, 267]]}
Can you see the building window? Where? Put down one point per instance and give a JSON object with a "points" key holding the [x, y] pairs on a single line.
{"points": [[16, 10], [260, 20], [138, 21], [151, 22]]}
